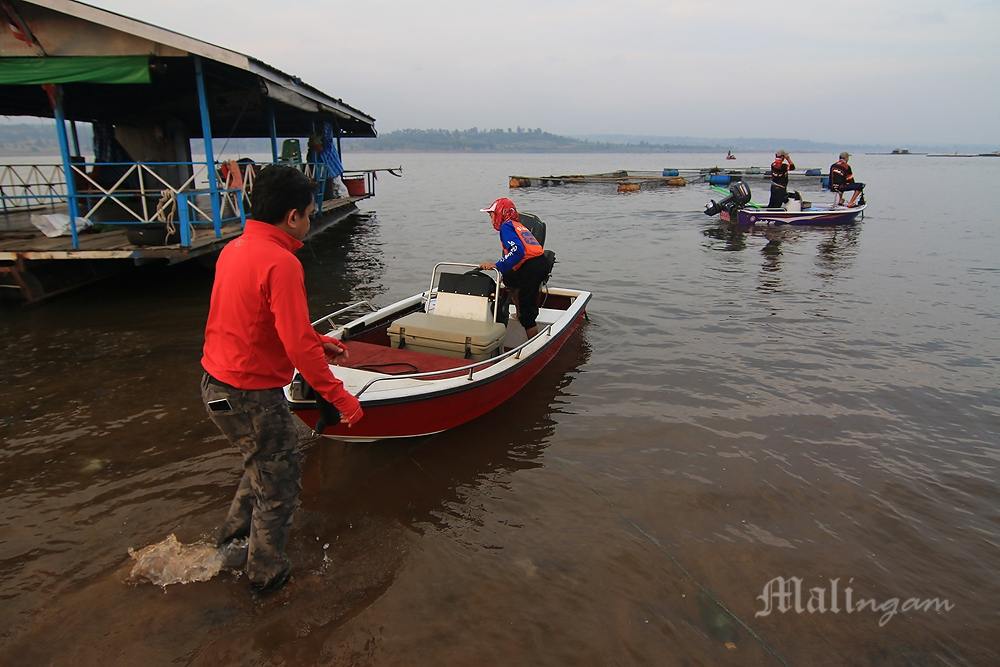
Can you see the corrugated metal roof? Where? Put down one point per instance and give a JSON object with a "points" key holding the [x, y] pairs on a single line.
{"points": [[279, 85]]}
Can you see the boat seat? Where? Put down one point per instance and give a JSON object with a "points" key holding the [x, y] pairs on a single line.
{"points": [[466, 296], [448, 336]]}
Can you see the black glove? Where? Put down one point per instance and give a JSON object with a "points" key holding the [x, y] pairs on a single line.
{"points": [[328, 415]]}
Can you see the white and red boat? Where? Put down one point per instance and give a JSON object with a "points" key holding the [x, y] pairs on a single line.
{"points": [[440, 358]]}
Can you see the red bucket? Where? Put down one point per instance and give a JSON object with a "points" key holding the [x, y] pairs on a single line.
{"points": [[355, 186]]}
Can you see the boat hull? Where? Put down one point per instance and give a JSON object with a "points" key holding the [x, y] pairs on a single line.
{"points": [[839, 216], [435, 412]]}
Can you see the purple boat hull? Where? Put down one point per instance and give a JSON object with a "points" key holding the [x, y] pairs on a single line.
{"points": [[840, 215]]}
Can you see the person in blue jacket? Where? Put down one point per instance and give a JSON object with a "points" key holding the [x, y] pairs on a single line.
{"points": [[522, 264]]}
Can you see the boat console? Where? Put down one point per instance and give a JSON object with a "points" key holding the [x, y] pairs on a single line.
{"points": [[459, 321]]}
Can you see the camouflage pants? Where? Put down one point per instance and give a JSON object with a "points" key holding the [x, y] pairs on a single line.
{"points": [[261, 426]]}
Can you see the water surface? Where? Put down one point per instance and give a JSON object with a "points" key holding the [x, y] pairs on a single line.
{"points": [[813, 403]]}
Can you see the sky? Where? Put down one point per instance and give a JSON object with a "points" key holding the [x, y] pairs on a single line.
{"points": [[874, 71]]}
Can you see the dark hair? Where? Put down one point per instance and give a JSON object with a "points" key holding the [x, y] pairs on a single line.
{"points": [[279, 189]]}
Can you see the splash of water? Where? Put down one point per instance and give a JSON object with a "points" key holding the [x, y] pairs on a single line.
{"points": [[171, 562]]}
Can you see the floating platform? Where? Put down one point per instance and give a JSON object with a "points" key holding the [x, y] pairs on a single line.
{"points": [[34, 267], [19, 240], [629, 180], [614, 177]]}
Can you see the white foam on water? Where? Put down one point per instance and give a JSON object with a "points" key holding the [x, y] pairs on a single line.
{"points": [[171, 562]]}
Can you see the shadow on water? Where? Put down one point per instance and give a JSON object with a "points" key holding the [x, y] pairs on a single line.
{"points": [[364, 508], [836, 248]]}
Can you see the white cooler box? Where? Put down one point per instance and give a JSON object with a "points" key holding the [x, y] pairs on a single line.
{"points": [[447, 336]]}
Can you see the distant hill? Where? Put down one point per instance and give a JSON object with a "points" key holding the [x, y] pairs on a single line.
{"points": [[768, 144], [497, 140], [725, 143], [39, 138]]}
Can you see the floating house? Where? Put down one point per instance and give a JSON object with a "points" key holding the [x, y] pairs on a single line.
{"points": [[154, 188]]}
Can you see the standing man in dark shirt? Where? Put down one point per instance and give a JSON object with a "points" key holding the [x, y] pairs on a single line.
{"points": [[842, 180], [779, 178], [258, 332]]}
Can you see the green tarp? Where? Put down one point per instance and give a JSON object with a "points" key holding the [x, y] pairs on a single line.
{"points": [[74, 69]]}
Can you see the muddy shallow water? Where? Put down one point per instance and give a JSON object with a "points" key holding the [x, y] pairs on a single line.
{"points": [[819, 404]]}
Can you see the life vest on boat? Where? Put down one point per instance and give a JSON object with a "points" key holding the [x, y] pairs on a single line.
{"points": [[532, 248], [779, 172], [840, 175]]}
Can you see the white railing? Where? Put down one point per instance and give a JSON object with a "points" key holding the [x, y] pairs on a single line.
{"points": [[28, 186], [141, 193]]}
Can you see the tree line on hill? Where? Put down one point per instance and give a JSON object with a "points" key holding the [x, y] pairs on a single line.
{"points": [[40, 139], [497, 140]]}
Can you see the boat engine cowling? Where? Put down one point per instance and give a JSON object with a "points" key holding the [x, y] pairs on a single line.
{"points": [[739, 196]]}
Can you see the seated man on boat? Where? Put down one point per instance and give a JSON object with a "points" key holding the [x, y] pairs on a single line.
{"points": [[842, 180], [523, 264], [779, 178]]}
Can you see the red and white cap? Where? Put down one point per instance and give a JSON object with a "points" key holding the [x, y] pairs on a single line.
{"points": [[501, 210]]}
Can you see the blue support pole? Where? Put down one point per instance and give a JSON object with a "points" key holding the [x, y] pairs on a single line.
{"points": [[243, 213], [217, 227], [273, 126], [67, 167], [206, 131], [183, 215], [319, 175]]}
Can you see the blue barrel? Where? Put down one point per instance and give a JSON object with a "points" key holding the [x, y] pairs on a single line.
{"points": [[825, 182], [719, 179], [671, 172], [813, 172]]}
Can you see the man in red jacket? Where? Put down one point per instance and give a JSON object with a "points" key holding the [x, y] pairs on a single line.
{"points": [[258, 332]]}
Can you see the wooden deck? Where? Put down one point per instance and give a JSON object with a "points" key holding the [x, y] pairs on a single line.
{"points": [[21, 241]]}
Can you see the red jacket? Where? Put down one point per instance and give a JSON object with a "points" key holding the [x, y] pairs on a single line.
{"points": [[258, 328]]}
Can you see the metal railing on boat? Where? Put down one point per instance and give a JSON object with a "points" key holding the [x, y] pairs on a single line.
{"points": [[345, 309], [472, 368], [496, 295]]}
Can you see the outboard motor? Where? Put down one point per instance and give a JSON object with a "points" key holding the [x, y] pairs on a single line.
{"points": [[739, 196]]}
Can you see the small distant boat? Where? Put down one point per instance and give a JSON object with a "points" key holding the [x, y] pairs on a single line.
{"points": [[737, 208], [730, 156], [438, 359]]}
